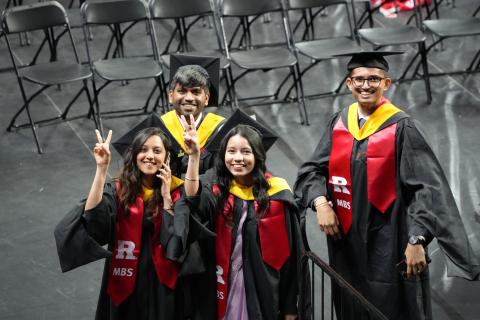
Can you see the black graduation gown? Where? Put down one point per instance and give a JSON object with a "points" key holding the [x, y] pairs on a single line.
{"points": [[270, 293], [376, 242], [80, 236]]}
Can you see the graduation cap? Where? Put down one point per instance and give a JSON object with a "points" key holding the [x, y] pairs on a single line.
{"points": [[240, 117], [122, 143], [369, 59], [210, 64]]}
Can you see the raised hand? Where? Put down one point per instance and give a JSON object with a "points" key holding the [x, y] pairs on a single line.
{"points": [[101, 151], [190, 136], [165, 174]]}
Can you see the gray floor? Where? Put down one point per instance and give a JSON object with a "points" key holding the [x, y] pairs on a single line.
{"points": [[39, 189]]}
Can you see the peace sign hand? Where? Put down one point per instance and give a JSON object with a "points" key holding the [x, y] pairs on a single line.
{"points": [[101, 151], [190, 136]]}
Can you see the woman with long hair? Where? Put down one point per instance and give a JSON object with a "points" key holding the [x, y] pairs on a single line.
{"points": [[253, 270], [131, 215]]}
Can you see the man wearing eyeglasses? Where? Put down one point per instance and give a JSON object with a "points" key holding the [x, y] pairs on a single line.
{"points": [[380, 196]]}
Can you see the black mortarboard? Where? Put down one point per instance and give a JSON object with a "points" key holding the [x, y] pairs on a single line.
{"points": [[369, 59], [240, 117], [210, 64], [122, 143]]}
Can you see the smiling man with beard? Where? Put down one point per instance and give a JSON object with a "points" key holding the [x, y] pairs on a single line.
{"points": [[189, 94], [380, 196]]}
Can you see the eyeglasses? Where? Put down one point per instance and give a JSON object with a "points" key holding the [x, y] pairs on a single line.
{"points": [[373, 81]]}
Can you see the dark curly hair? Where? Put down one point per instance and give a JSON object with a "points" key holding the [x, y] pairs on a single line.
{"points": [[224, 177], [131, 177]]}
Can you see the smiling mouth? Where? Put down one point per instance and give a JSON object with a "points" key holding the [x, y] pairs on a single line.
{"points": [[238, 166]]}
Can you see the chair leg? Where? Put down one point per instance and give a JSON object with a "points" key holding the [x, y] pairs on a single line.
{"points": [[26, 102], [91, 105], [426, 74], [150, 95], [65, 112], [97, 104], [228, 90], [32, 124], [300, 95], [161, 89], [233, 91]]}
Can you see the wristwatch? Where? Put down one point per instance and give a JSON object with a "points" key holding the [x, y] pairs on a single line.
{"points": [[416, 240]]}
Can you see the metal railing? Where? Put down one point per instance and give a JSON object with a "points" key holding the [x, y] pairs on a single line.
{"points": [[337, 299]]}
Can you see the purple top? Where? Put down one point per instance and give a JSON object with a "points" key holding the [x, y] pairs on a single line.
{"points": [[237, 303]]}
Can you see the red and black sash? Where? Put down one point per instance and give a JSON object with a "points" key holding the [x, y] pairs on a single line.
{"points": [[272, 230], [126, 252], [381, 168]]}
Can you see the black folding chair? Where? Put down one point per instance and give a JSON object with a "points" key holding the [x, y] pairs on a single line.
{"points": [[328, 46], [188, 14], [50, 18], [263, 56], [120, 59], [400, 36], [443, 29]]}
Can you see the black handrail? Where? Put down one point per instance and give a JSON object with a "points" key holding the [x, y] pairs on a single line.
{"points": [[342, 288]]}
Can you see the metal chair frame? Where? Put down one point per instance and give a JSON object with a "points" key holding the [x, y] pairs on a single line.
{"points": [[245, 44], [392, 38], [119, 23], [46, 16], [461, 27], [322, 49]]}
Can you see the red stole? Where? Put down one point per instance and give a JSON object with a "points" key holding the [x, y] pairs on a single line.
{"points": [[381, 171], [273, 237], [126, 252]]}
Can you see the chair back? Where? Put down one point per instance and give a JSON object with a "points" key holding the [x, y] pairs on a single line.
{"points": [[243, 32], [248, 7], [47, 17], [308, 16], [186, 14], [34, 17], [167, 9], [120, 19], [114, 11], [305, 4]]}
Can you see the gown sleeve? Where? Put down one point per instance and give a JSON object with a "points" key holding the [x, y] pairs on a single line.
{"points": [[190, 227], [312, 176], [81, 235], [430, 204], [290, 281]]}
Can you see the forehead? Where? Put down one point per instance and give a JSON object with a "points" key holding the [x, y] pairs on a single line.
{"points": [[179, 86], [237, 141], [366, 72], [154, 141]]}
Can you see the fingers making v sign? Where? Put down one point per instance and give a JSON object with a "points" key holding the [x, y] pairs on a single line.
{"points": [[190, 136], [101, 151]]}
